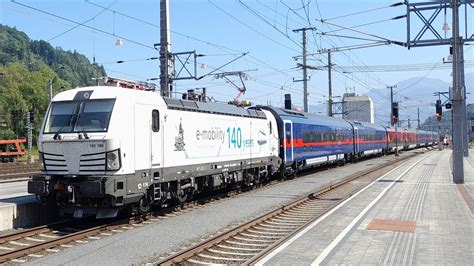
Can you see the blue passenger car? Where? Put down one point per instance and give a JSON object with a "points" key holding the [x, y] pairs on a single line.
{"points": [[307, 139], [369, 139], [424, 138]]}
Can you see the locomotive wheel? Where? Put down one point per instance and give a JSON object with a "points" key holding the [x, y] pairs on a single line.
{"points": [[144, 205], [181, 196]]}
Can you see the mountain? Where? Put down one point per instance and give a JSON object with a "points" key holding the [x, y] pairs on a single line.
{"points": [[411, 94], [26, 66], [70, 66]]}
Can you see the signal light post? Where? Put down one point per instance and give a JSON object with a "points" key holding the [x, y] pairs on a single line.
{"points": [[30, 118], [394, 117], [439, 113]]}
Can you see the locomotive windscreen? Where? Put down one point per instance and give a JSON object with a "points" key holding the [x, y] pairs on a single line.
{"points": [[79, 116]]}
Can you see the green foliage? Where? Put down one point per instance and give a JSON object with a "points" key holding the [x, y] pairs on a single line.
{"points": [[27, 66], [23, 90]]}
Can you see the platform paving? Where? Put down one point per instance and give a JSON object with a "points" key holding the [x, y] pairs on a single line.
{"points": [[422, 218]]}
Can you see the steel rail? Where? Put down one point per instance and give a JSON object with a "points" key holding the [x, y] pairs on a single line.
{"points": [[185, 254], [21, 252]]}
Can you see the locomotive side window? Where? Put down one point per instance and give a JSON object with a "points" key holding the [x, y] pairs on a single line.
{"points": [[155, 120]]}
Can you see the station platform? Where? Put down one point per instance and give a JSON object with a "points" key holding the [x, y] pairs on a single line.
{"points": [[414, 214], [18, 208]]}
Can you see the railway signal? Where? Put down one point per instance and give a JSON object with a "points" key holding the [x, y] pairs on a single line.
{"points": [[31, 116], [439, 110], [394, 118]]}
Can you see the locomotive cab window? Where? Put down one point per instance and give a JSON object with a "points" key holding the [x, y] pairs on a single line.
{"points": [[155, 120], [79, 116]]}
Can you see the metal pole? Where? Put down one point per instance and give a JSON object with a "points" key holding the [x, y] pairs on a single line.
{"points": [[418, 118], [329, 84], [304, 66], [164, 49], [440, 147], [457, 101], [305, 74], [396, 140], [50, 85], [30, 138], [391, 121], [465, 130]]}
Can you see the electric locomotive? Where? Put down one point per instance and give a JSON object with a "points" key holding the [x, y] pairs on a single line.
{"points": [[105, 148]]}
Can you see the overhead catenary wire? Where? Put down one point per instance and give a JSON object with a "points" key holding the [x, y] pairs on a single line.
{"points": [[83, 25], [253, 58], [250, 27], [364, 11], [113, 34], [402, 67], [78, 25]]}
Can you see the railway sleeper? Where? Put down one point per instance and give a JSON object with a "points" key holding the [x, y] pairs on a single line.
{"points": [[247, 254], [221, 258], [246, 249], [301, 212], [259, 236], [240, 244], [199, 262], [266, 232], [274, 228], [291, 218], [297, 215], [282, 223], [253, 240], [228, 255]]}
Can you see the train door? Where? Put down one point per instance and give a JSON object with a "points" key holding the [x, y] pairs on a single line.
{"points": [[142, 137], [356, 140], [156, 142], [288, 141]]}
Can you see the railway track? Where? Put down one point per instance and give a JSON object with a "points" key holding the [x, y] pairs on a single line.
{"points": [[37, 242], [247, 243], [18, 170], [40, 241]]}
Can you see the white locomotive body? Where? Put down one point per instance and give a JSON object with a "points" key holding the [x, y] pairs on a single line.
{"points": [[106, 148]]}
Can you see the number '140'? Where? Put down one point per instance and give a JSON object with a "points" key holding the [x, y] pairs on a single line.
{"points": [[234, 136]]}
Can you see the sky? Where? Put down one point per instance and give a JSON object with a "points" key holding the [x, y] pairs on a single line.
{"points": [[222, 30]]}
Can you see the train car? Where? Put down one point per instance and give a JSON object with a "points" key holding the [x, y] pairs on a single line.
{"points": [[308, 140], [394, 139], [10, 149], [424, 138], [409, 139], [105, 148], [369, 139]]}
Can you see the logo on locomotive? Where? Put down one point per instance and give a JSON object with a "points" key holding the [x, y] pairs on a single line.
{"points": [[179, 140]]}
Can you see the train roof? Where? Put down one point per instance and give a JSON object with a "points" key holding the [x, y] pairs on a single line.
{"points": [[213, 108], [103, 92], [295, 115], [366, 125], [107, 92]]}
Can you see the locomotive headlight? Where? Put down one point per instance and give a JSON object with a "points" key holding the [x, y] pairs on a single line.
{"points": [[113, 160]]}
